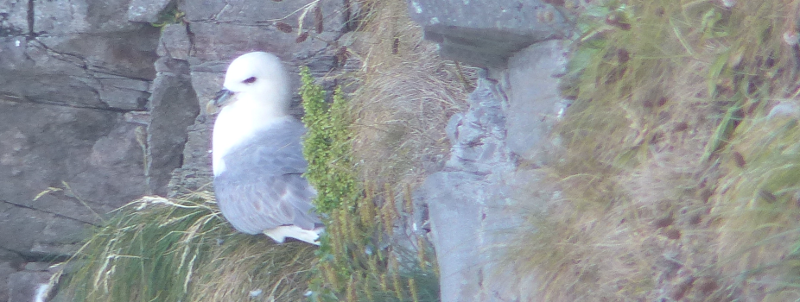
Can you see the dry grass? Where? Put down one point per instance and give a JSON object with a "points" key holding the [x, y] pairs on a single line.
{"points": [[364, 262], [155, 249], [361, 258], [257, 269], [675, 184], [759, 209], [406, 95]]}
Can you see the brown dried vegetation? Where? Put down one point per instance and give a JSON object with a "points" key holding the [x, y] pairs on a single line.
{"points": [[674, 184]]}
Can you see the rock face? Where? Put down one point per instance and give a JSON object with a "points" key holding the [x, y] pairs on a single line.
{"points": [[467, 203], [498, 144], [487, 32], [72, 73], [100, 102], [535, 105]]}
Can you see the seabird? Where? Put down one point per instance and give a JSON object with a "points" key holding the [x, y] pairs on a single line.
{"points": [[257, 156]]}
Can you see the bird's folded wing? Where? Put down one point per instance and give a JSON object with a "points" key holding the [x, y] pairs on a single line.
{"points": [[262, 186], [266, 202]]}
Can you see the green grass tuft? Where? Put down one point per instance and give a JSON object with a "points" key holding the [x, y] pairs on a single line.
{"points": [[156, 249]]}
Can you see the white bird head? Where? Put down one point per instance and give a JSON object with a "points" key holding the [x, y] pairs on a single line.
{"points": [[256, 76], [256, 94]]}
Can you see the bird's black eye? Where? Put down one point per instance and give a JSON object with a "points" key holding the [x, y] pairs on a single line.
{"points": [[250, 80]]}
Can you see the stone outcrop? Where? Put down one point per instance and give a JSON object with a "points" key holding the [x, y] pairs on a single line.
{"points": [[73, 75], [485, 32], [498, 144]]}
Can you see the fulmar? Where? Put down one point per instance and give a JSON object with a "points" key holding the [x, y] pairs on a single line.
{"points": [[257, 155]]}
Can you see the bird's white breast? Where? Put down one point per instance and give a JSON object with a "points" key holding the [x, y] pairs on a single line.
{"points": [[239, 122]]}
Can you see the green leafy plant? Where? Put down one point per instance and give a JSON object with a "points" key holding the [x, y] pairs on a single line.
{"points": [[356, 260], [170, 15], [327, 147]]}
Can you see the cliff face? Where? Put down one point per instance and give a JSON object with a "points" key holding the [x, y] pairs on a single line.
{"points": [[75, 79], [498, 143], [101, 103], [98, 101]]}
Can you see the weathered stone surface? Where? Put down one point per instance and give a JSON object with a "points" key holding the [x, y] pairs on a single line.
{"points": [[13, 18], [289, 12], [28, 72], [175, 107], [129, 54], [81, 16], [85, 149], [510, 198], [476, 202], [247, 25], [174, 42], [21, 227], [27, 286], [66, 144], [146, 10], [486, 32], [64, 89], [64, 92], [5, 270], [479, 147], [12, 259], [122, 93], [82, 71], [196, 170], [201, 10], [473, 218], [473, 204], [454, 215], [9, 263], [206, 84], [261, 13], [535, 104], [211, 45]]}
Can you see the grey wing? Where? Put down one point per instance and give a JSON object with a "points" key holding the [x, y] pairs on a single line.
{"points": [[267, 202], [262, 186]]}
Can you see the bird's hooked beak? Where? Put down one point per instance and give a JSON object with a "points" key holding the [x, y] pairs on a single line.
{"points": [[221, 99]]}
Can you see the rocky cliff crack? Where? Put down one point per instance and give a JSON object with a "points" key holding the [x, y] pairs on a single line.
{"points": [[31, 18], [25, 257], [58, 55], [19, 99], [84, 64], [190, 36], [215, 17], [49, 212]]}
